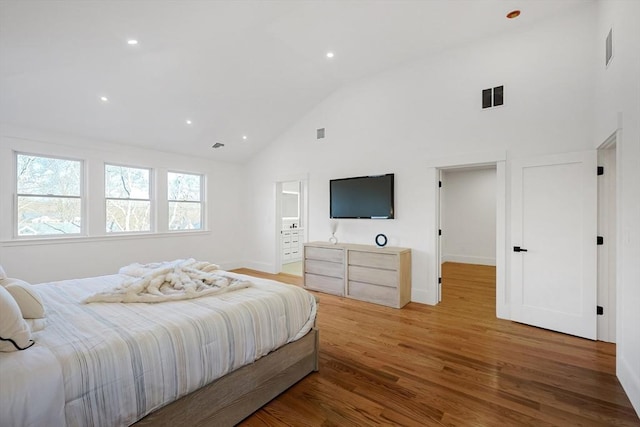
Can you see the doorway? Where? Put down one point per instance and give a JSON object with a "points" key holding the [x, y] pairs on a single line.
{"points": [[431, 293], [543, 240], [468, 236], [290, 223]]}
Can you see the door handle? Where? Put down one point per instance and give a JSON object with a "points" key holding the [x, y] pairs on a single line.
{"points": [[519, 249]]}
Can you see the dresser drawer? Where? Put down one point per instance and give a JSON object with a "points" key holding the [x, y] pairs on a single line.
{"points": [[324, 268], [331, 285], [387, 278], [324, 254], [371, 259], [373, 293]]}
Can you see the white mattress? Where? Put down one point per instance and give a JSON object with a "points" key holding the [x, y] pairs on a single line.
{"points": [[115, 363]]}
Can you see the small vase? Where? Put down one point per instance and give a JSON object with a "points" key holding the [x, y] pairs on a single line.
{"points": [[333, 239], [333, 225]]}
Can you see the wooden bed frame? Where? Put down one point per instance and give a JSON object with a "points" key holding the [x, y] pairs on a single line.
{"points": [[232, 398]]}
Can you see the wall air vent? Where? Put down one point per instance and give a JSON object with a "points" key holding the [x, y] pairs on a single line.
{"points": [[498, 95], [493, 97], [608, 49], [217, 145], [486, 98], [320, 133]]}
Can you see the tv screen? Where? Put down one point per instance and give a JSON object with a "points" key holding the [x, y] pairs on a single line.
{"points": [[362, 197]]}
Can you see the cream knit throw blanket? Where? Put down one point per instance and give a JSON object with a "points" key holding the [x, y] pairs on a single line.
{"points": [[170, 281]]}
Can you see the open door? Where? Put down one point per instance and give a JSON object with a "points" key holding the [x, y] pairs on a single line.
{"points": [[607, 248], [439, 237], [554, 230]]}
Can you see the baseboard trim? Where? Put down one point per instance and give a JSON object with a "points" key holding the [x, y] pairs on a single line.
{"points": [[466, 259], [230, 265], [630, 381], [259, 266]]}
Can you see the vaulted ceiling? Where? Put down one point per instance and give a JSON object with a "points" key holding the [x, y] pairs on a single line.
{"points": [[232, 68]]}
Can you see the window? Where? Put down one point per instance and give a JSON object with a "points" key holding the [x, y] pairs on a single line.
{"points": [[185, 201], [49, 200], [127, 194]]}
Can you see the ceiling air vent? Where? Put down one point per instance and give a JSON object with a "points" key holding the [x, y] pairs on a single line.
{"points": [[217, 145], [320, 133]]}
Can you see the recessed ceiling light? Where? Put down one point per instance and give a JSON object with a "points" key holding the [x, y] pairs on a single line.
{"points": [[513, 14], [188, 121], [104, 99], [132, 42], [244, 137], [329, 54]]}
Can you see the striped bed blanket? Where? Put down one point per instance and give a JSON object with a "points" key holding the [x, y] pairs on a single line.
{"points": [[119, 362]]}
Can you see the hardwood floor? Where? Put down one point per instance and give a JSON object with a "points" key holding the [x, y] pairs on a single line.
{"points": [[455, 364]]}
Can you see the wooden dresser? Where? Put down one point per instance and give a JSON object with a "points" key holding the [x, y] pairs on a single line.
{"points": [[363, 272]]}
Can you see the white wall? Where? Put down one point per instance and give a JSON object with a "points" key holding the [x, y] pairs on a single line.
{"points": [[617, 106], [400, 120], [468, 216], [54, 259]]}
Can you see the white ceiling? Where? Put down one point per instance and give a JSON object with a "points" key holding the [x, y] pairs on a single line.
{"points": [[233, 67]]}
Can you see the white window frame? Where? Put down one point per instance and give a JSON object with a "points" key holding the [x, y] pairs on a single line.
{"points": [[17, 195], [201, 202], [151, 200]]}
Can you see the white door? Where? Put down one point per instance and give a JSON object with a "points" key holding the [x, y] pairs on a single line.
{"points": [[607, 251], [439, 236], [553, 251]]}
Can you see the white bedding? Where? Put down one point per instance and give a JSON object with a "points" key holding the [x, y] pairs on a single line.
{"points": [[172, 281], [119, 362], [31, 388]]}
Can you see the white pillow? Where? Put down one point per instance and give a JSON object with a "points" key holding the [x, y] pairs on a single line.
{"points": [[14, 331], [27, 298], [3, 275]]}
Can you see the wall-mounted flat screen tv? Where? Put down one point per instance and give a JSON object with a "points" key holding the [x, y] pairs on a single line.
{"points": [[362, 197]]}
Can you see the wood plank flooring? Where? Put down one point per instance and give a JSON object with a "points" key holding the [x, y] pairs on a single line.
{"points": [[455, 364]]}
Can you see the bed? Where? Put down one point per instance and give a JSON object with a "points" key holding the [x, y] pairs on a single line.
{"points": [[212, 360]]}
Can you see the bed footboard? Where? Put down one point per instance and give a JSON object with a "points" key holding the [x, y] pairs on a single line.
{"points": [[232, 398]]}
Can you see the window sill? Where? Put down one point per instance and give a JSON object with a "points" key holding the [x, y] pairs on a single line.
{"points": [[30, 241]]}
